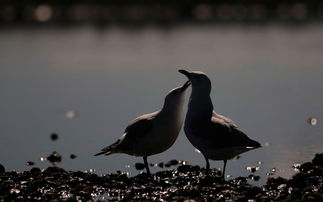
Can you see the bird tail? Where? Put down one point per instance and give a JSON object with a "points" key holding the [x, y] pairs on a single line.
{"points": [[249, 143], [103, 152], [253, 144], [109, 149]]}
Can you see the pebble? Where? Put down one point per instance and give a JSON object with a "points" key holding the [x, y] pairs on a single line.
{"points": [[184, 183], [54, 136], [2, 169]]}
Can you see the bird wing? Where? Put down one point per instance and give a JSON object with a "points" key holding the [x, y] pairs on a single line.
{"points": [[140, 126], [224, 120], [223, 132], [135, 130]]}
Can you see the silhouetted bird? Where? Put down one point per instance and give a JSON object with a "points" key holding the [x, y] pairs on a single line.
{"points": [[215, 136], [152, 133]]}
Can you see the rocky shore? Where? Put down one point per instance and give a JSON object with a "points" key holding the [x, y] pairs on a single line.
{"points": [[186, 182]]}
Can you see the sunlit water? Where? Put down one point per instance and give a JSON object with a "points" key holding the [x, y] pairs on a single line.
{"points": [[86, 85]]}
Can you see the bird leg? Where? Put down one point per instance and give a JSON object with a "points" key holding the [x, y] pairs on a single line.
{"points": [[146, 165], [223, 172], [207, 165]]}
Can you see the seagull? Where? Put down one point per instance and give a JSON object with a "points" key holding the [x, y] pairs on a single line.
{"points": [[152, 133], [215, 136]]}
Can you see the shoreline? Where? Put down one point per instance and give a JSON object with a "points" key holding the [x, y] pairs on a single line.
{"points": [[186, 182]]}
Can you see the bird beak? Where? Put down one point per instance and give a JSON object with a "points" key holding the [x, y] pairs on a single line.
{"points": [[186, 73], [186, 84]]}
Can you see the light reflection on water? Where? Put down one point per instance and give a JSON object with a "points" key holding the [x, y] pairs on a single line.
{"points": [[268, 79]]}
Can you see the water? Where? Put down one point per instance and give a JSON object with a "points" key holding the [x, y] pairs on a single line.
{"points": [[85, 85]]}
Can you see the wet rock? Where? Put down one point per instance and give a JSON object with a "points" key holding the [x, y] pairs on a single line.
{"points": [[252, 169], [273, 183], [281, 196], [318, 160], [173, 162], [296, 194], [143, 177], [2, 169], [184, 168], [306, 167], [208, 181], [54, 170], [253, 192], [54, 136], [186, 183], [35, 170], [254, 177], [161, 165], [140, 166], [298, 180], [93, 178], [164, 174], [312, 196], [30, 163], [54, 158]]}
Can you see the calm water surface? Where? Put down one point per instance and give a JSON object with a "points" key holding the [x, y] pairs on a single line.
{"points": [[268, 79]]}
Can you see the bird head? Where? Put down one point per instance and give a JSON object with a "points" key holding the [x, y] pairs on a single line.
{"points": [[176, 95], [200, 81]]}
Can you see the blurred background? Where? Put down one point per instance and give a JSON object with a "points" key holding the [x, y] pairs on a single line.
{"points": [[84, 69]]}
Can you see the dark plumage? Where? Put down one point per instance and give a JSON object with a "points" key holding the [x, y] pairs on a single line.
{"points": [[215, 136]]}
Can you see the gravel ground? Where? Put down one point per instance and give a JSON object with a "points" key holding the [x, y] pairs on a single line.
{"points": [[186, 182]]}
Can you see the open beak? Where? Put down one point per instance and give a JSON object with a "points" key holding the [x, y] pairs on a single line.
{"points": [[186, 84], [186, 73]]}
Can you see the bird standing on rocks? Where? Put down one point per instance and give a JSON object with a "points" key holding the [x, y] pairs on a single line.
{"points": [[215, 136], [152, 133]]}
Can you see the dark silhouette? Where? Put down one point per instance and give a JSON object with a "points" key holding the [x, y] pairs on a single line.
{"points": [[215, 136], [152, 133]]}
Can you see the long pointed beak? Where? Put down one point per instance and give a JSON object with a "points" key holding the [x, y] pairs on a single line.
{"points": [[186, 73], [186, 84]]}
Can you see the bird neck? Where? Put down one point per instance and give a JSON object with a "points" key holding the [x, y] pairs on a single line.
{"points": [[200, 105], [173, 108]]}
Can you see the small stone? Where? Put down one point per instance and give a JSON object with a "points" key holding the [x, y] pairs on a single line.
{"points": [[273, 170], [305, 167], [165, 174], [54, 170], [298, 180], [312, 121], [54, 136], [254, 177], [296, 167], [71, 114], [140, 166], [14, 191], [252, 169], [318, 160], [54, 158], [253, 191], [184, 168], [2, 169], [35, 170], [30, 163], [173, 162], [161, 165]]}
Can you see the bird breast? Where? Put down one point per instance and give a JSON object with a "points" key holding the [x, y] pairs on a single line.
{"points": [[165, 132]]}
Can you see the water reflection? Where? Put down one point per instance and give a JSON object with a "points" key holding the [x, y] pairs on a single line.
{"points": [[261, 78]]}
